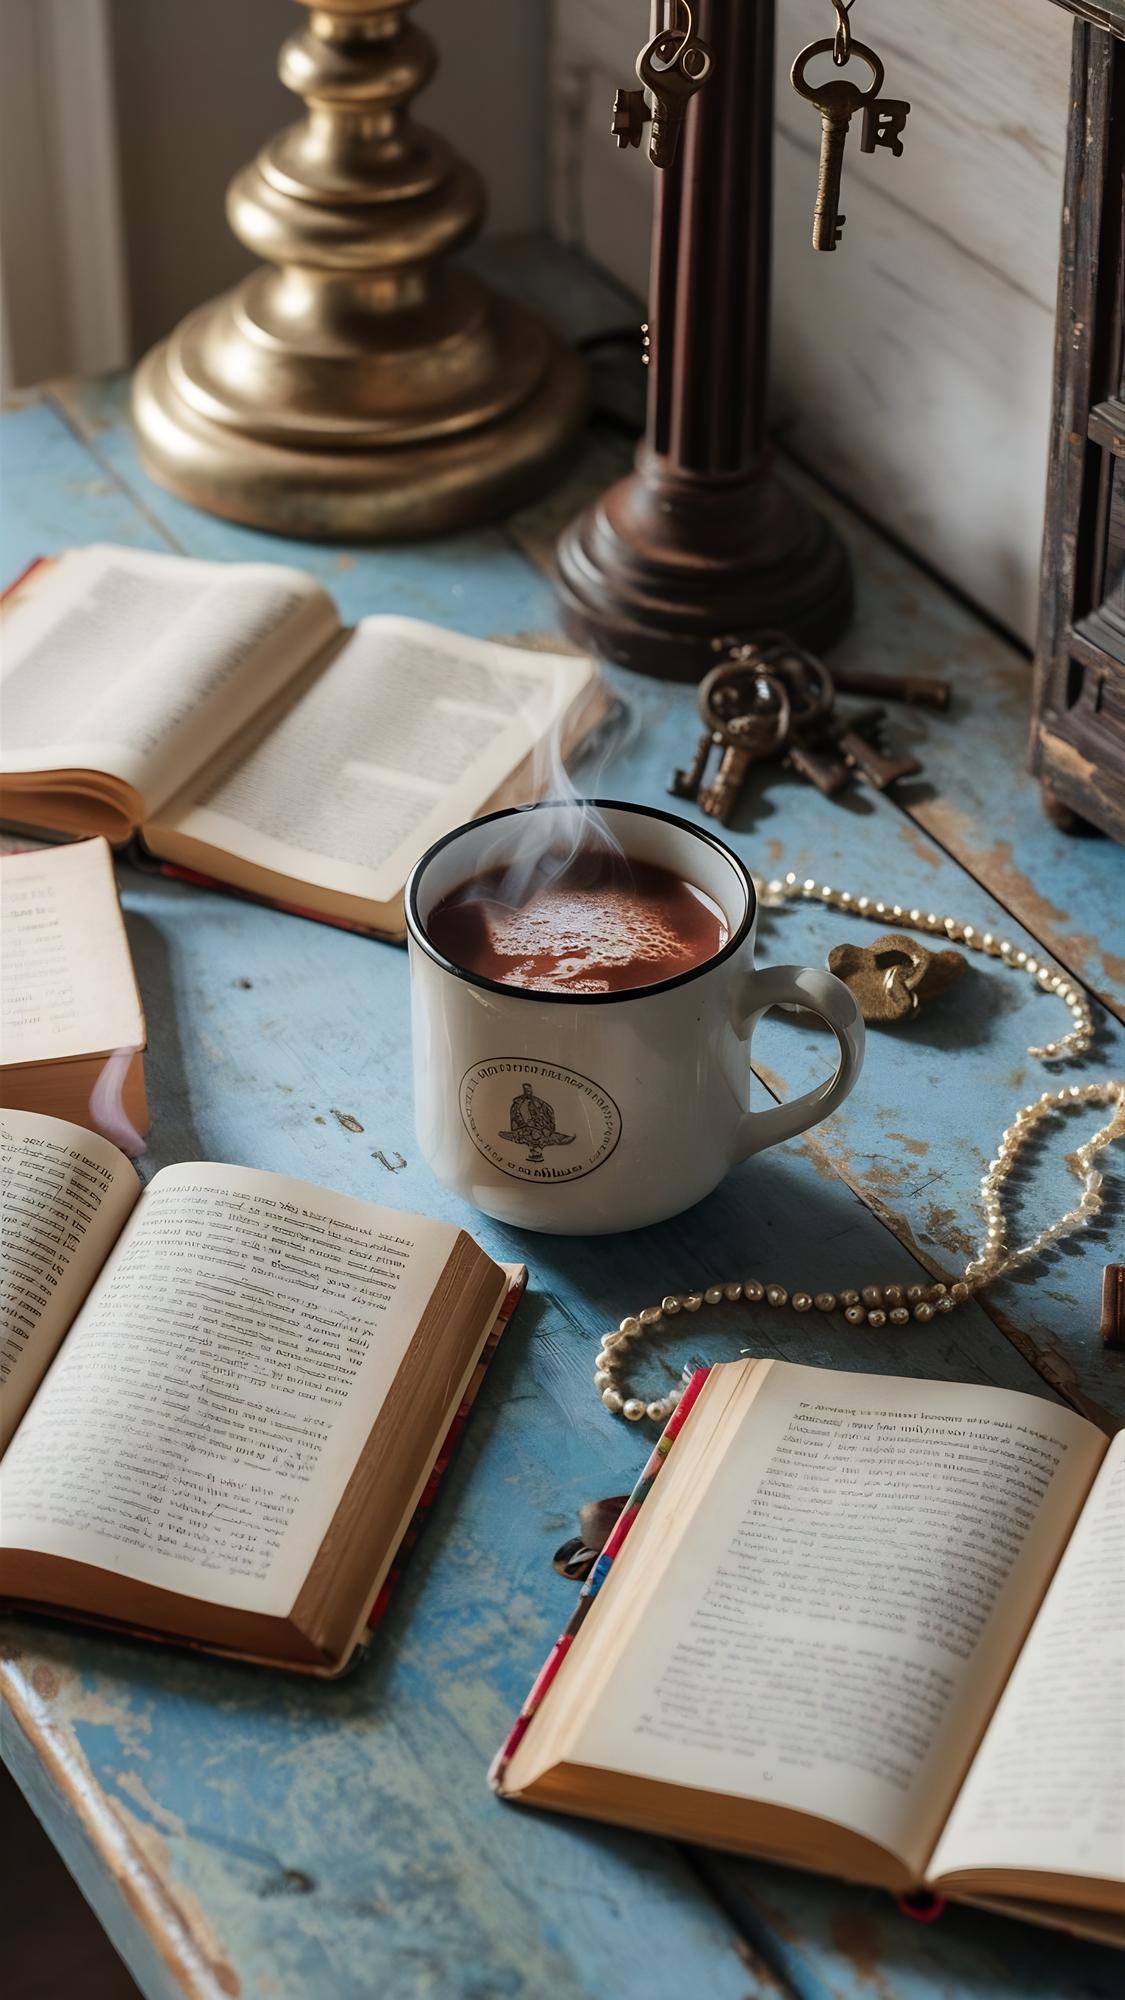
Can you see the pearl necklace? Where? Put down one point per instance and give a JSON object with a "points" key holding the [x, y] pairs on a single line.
{"points": [[790, 888], [895, 1304]]}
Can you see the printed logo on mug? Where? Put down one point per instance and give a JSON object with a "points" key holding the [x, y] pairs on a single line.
{"points": [[515, 1109], [584, 996]]}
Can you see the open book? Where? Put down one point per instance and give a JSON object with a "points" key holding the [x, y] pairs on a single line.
{"points": [[72, 1030], [865, 1625], [222, 712], [221, 1399]]}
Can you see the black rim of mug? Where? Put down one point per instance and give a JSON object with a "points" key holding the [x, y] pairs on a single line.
{"points": [[419, 935]]}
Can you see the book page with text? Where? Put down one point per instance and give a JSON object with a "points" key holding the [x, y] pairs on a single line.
{"points": [[143, 665], [64, 1197], [408, 731], [67, 986], [1046, 1792], [832, 1627], [202, 1421]]}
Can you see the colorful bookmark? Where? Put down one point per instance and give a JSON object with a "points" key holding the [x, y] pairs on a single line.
{"points": [[596, 1578]]}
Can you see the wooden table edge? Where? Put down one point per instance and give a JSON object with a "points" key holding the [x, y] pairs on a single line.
{"points": [[48, 1764]]}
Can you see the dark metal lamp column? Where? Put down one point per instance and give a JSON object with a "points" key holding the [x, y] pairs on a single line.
{"points": [[703, 538]]}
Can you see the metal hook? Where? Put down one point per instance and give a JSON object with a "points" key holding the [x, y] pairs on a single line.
{"points": [[670, 61], [842, 40], [687, 54]]}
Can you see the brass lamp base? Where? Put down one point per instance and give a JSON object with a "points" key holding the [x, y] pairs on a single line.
{"points": [[330, 474], [357, 387]]}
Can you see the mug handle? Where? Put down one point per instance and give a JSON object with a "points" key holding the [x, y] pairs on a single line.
{"points": [[823, 994]]}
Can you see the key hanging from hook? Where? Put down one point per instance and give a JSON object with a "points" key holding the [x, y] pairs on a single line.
{"points": [[670, 68], [838, 100]]}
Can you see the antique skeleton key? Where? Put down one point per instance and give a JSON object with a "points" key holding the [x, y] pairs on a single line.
{"points": [[916, 689], [838, 100], [630, 113], [673, 66], [743, 742], [849, 733], [883, 123], [747, 715], [769, 698]]}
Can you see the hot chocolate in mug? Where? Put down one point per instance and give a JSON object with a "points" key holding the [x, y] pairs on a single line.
{"points": [[580, 1113]]}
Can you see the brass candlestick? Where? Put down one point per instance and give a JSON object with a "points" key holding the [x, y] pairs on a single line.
{"points": [[355, 386]]}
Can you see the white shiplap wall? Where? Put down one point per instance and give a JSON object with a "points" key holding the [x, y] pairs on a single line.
{"points": [[913, 366]]}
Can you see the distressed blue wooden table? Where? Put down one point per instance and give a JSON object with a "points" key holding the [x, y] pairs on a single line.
{"points": [[241, 1834]]}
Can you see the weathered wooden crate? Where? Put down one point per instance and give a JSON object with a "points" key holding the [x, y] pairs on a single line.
{"points": [[1078, 727]]}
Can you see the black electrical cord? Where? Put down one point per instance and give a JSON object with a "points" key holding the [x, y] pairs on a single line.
{"points": [[610, 336], [604, 414]]}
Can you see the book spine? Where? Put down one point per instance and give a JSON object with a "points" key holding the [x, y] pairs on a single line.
{"points": [[17, 583], [548, 1672], [441, 1463]]}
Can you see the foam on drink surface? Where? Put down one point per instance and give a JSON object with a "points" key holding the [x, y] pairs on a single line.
{"points": [[584, 934], [592, 928]]}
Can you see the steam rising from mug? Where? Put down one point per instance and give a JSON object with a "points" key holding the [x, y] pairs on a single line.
{"points": [[546, 844], [107, 1105]]}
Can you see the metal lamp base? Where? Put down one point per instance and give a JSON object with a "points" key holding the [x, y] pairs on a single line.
{"points": [[332, 475], [356, 386], [661, 567]]}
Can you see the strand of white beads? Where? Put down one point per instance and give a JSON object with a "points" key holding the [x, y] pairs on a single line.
{"points": [[895, 1304], [795, 888]]}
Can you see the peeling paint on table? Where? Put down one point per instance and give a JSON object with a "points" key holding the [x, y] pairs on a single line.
{"points": [[239, 1833]]}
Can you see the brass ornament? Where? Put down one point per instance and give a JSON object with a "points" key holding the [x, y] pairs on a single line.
{"points": [[355, 386], [895, 976]]}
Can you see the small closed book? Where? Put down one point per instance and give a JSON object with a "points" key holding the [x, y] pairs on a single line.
{"points": [[221, 1399], [69, 1005], [865, 1625], [221, 713]]}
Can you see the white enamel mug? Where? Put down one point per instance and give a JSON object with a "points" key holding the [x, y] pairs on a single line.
{"points": [[583, 1113]]}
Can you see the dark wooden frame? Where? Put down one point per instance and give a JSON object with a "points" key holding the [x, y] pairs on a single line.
{"points": [[1109, 14], [1078, 727]]}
